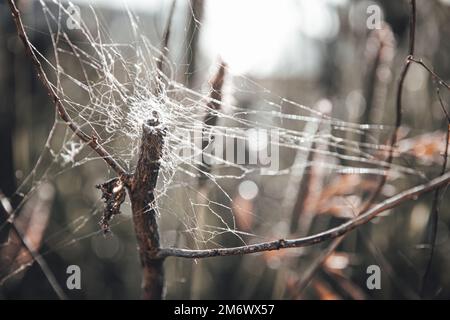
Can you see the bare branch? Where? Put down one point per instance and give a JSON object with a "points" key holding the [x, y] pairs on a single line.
{"points": [[167, 29], [319, 237], [378, 62], [90, 140], [434, 214], [141, 192], [398, 111], [435, 76], [195, 11], [164, 49], [412, 28], [441, 103], [216, 94], [210, 119], [16, 237], [393, 140]]}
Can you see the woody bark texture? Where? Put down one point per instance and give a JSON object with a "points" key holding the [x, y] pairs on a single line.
{"points": [[141, 192]]}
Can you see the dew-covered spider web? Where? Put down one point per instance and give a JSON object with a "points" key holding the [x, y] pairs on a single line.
{"points": [[260, 143]]}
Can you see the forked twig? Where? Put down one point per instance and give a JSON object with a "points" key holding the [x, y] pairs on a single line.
{"points": [[435, 76]]}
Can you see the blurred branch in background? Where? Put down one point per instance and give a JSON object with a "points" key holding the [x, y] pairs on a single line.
{"points": [[379, 59], [195, 17], [434, 213], [315, 198], [24, 240], [92, 141]]}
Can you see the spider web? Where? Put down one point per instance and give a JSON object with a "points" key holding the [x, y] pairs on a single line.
{"points": [[110, 88]]}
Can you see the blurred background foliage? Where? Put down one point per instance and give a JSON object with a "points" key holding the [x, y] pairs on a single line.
{"points": [[319, 53]]}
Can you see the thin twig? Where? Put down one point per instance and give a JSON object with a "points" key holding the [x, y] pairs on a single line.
{"points": [[302, 212], [378, 62], [316, 238], [393, 140], [167, 29], [398, 111], [4, 201], [164, 49], [441, 103], [434, 213], [435, 76], [195, 11], [209, 121], [92, 141]]}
